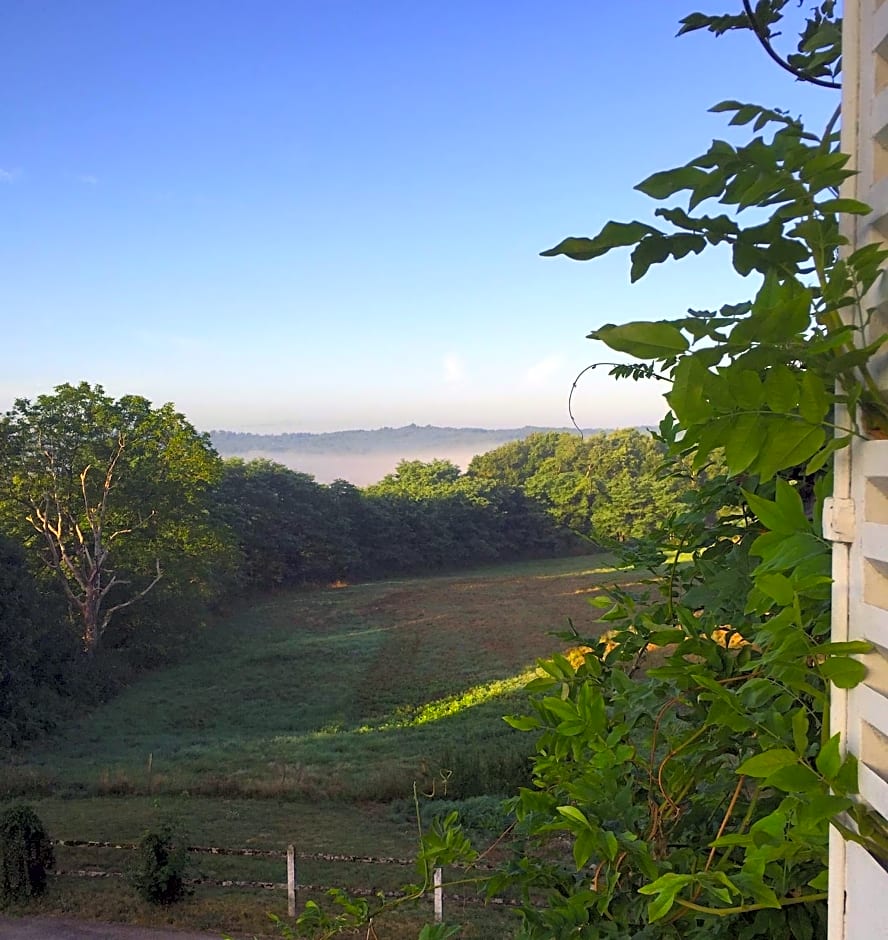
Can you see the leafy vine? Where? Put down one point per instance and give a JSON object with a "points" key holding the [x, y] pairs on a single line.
{"points": [[697, 799]]}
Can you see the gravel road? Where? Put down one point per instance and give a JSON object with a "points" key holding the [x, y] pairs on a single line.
{"points": [[51, 928]]}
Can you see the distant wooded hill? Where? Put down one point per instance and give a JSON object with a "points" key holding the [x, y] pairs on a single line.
{"points": [[410, 438], [363, 457]]}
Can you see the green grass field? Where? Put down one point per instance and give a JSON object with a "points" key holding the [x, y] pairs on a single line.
{"points": [[300, 719]]}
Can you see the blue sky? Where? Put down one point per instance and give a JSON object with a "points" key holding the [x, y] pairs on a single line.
{"points": [[317, 215]]}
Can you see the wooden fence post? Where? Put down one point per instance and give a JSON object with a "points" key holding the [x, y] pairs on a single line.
{"points": [[291, 881], [439, 896]]}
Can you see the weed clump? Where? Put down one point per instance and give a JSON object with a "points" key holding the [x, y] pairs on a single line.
{"points": [[482, 818], [25, 854]]}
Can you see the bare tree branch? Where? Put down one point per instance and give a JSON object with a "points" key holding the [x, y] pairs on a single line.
{"points": [[113, 610]]}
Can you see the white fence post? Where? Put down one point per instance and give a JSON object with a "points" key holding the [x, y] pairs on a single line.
{"points": [[291, 881], [439, 896]]}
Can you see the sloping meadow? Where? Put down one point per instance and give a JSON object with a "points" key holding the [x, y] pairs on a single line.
{"points": [[351, 693]]}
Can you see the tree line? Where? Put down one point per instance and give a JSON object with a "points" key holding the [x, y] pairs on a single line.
{"points": [[122, 531]]}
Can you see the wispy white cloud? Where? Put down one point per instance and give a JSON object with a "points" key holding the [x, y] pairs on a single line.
{"points": [[539, 372], [454, 369], [88, 179], [10, 176]]}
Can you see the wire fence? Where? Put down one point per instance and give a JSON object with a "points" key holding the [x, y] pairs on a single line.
{"points": [[292, 885]]}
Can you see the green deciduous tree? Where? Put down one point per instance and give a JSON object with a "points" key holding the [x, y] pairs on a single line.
{"points": [[443, 517], [612, 486], [288, 527], [105, 491]]}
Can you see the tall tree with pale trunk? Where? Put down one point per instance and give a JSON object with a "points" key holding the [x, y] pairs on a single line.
{"points": [[101, 490]]}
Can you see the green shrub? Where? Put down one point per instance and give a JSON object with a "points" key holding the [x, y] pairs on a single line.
{"points": [[158, 874], [25, 854]]}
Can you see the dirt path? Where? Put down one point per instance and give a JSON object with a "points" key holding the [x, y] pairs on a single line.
{"points": [[52, 928]]}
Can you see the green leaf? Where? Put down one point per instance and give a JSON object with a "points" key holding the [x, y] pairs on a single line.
{"points": [[848, 206], [723, 714], [784, 515], [766, 763], [571, 727], [722, 106], [689, 380], [655, 249], [644, 340], [522, 722], [665, 888], [743, 443], [584, 845], [824, 454], [843, 672], [713, 185], [820, 807], [613, 235], [664, 184], [814, 401], [539, 684], [790, 442], [564, 711], [708, 438], [744, 114], [829, 760], [781, 312], [769, 829], [756, 888], [666, 637], [776, 586], [746, 388], [781, 390], [780, 552], [846, 779], [789, 503], [797, 778], [575, 815], [847, 648]]}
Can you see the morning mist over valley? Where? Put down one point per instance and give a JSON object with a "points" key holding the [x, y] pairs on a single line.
{"points": [[363, 456]]}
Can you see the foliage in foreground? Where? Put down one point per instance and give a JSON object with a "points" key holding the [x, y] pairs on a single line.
{"points": [[696, 802], [25, 855]]}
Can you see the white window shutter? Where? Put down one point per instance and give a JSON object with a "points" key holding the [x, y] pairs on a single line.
{"points": [[857, 517]]}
